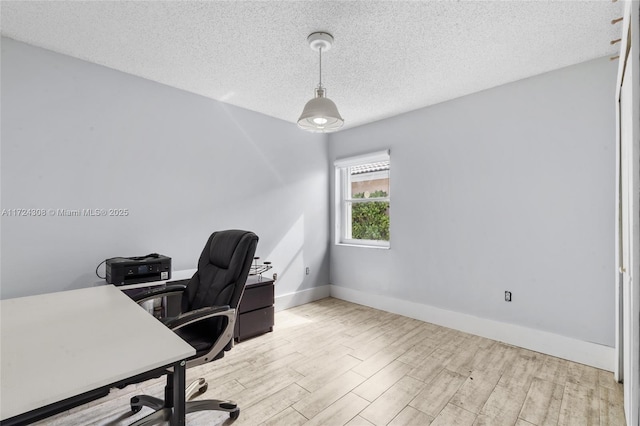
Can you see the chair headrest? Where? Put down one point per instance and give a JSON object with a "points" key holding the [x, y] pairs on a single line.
{"points": [[223, 245]]}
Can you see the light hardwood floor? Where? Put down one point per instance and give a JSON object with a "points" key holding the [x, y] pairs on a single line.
{"points": [[335, 363]]}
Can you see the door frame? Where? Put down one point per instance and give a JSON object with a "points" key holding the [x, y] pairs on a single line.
{"points": [[628, 216]]}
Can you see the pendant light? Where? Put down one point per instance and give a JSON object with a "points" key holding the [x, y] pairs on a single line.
{"points": [[320, 114]]}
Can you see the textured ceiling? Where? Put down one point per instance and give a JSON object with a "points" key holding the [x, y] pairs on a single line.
{"points": [[388, 57]]}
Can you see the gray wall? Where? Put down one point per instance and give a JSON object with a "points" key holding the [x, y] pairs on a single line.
{"points": [[77, 135], [507, 189]]}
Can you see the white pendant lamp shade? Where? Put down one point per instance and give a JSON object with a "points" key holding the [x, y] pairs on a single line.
{"points": [[320, 114]]}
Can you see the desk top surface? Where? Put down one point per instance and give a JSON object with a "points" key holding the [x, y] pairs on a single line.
{"points": [[58, 345]]}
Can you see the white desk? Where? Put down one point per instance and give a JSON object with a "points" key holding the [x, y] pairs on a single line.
{"points": [[60, 345]]}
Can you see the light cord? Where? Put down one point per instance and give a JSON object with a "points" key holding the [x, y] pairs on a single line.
{"points": [[320, 85]]}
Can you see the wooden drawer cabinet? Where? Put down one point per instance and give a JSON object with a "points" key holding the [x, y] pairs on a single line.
{"points": [[255, 312]]}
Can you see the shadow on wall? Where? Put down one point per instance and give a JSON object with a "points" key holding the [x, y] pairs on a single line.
{"points": [[288, 259], [265, 161]]}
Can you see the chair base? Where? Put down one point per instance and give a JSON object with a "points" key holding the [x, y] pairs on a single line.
{"points": [[162, 413], [197, 386], [215, 405]]}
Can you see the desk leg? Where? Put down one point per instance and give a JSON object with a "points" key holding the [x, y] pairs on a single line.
{"points": [[179, 384]]}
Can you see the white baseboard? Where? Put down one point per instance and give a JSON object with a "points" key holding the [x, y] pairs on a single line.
{"points": [[592, 354], [296, 298]]}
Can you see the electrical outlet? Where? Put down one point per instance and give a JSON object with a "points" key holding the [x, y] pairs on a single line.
{"points": [[507, 296], [306, 271]]}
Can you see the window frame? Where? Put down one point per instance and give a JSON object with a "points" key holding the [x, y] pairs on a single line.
{"points": [[344, 199]]}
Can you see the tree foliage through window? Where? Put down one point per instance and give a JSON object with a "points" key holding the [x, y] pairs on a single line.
{"points": [[370, 221]]}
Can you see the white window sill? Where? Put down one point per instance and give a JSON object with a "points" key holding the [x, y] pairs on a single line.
{"points": [[363, 246]]}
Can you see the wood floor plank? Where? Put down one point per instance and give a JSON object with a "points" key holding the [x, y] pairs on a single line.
{"points": [[288, 319], [360, 322], [475, 391], [611, 406], [542, 405], [479, 341], [416, 354], [271, 405], [495, 358], [326, 395], [606, 379], [376, 385], [521, 422], [328, 373], [359, 421], [580, 406], [363, 339], [270, 343], [502, 407], [390, 353], [444, 334], [554, 370], [339, 413], [379, 360], [319, 339], [519, 373], [453, 415], [288, 417], [431, 366], [462, 360], [227, 390], [265, 386], [383, 341], [454, 342], [222, 374], [435, 396], [582, 375], [309, 364], [411, 416], [257, 371], [390, 403], [274, 354], [416, 336]]}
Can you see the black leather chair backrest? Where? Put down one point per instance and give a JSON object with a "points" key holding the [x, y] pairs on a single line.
{"points": [[222, 270]]}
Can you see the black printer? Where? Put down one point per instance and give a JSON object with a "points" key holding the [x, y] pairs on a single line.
{"points": [[140, 269]]}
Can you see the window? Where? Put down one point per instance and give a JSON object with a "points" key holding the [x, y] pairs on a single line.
{"points": [[363, 200]]}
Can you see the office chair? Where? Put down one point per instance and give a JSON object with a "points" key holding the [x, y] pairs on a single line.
{"points": [[209, 306]]}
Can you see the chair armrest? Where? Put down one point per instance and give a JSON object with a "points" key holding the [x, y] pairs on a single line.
{"points": [[198, 315], [224, 340], [159, 292]]}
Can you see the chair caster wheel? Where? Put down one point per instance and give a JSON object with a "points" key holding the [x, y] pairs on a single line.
{"points": [[234, 414], [204, 388]]}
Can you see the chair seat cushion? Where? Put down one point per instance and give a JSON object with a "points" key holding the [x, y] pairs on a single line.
{"points": [[200, 335]]}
